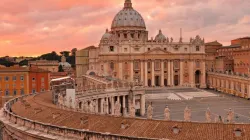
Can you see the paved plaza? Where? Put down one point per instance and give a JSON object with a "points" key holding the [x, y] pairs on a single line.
{"points": [[199, 101]]}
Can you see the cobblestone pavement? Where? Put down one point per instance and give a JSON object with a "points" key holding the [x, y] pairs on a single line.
{"points": [[218, 105]]}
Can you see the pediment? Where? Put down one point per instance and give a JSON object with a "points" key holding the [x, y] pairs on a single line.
{"points": [[158, 51]]}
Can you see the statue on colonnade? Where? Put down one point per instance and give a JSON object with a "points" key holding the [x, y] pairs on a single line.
{"points": [[208, 115], [187, 114], [150, 111], [167, 113], [117, 109], [230, 115]]}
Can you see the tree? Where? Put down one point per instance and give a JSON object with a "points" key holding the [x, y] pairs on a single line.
{"points": [[73, 52], [60, 68], [65, 53]]}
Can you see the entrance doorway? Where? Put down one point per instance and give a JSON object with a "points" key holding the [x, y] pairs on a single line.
{"points": [[149, 82], [176, 80], [157, 81], [197, 78], [165, 82]]}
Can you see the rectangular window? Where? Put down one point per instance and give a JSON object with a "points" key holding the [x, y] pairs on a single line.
{"points": [[148, 49], [186, 49], [33, 79], [21, 78], [6, 92], [14, 85], [125, 49], [14, 78], [42, 90], [0, 78], [42, 79], [111, 48], [7, 86], [136, 65], [137, 49], [157, 65], [149, 65], [165, 65], [125, 36], [14, 92], [197, 48], [33, 91], [6, 78], [22, 91]]}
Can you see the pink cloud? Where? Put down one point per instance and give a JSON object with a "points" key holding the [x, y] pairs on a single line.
{"points": [[33, 27]]}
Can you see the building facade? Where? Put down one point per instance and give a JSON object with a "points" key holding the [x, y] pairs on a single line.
{"points": [[126, 53], [15, 81], [48, 65]]}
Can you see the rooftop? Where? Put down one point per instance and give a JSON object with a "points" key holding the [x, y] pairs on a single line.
{"points": [[135, 127], [214, 43]]}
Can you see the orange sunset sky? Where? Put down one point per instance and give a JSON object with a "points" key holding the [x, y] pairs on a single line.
{"points": [[34, 27]]}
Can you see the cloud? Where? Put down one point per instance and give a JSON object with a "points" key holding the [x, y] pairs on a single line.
{"points": [[40, 26]]}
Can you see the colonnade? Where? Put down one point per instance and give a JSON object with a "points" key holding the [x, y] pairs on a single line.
{"points": [[110, 104], [230, 84]]}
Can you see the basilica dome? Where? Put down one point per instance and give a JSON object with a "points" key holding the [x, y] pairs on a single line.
{"points": [[128, 18], [107, 35], [160, 36]]}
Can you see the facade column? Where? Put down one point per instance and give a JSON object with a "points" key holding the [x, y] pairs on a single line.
{"points": [[132, 71], [172, 72], [181, 73], [203, 76], [153, 74], [191, 73], [120, 71], [169, 79], [162, 73], [142, 71], [106, 69], [146, 73], [143, 104]]}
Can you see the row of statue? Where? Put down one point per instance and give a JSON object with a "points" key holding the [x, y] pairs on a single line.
{"points": [[188, 115]]}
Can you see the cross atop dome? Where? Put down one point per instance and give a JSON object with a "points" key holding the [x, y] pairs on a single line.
{"points": [[128, 4]]}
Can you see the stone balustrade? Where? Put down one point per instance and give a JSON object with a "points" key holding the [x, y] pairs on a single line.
{"points": [[56, 130]]}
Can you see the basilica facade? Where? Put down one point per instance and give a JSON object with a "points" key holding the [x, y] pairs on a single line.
{"points": [[126, 53]]}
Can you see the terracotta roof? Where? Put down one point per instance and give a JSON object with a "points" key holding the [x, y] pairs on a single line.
{"points": [[232, 46], [136, 127], [247, 37], [214, 43]]}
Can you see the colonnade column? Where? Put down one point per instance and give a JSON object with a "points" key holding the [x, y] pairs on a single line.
{"points": [[120, 71], [146, 73], [102, 111], [142, 110], [112, 105], [181, 73], [153, 74], [169, 79], [162, 73], [131, 71], [248, 90], [191, 73], [124, 104]]}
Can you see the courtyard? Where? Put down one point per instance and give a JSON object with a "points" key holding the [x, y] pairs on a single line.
{"points": [[198, 100]]}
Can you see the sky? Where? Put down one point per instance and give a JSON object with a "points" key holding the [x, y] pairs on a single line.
{"points": [[35, 27]]}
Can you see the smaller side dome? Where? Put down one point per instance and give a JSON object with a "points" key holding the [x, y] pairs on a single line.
{"points": [[107, 35], [160, 37]]}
